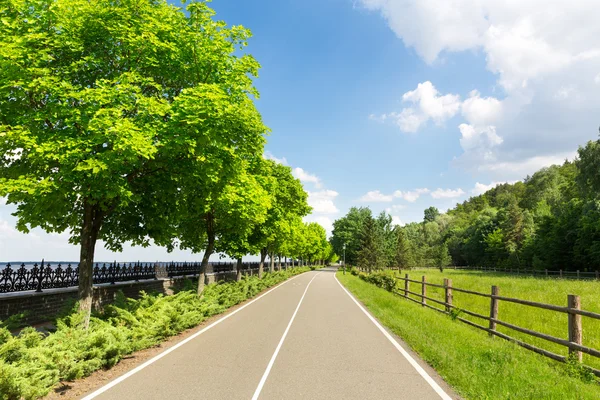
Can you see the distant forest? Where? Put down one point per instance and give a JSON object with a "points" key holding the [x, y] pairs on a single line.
{"points": [[551, 220]]}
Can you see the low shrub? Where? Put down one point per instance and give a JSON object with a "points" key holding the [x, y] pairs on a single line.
{"points": [[384, 279], [31, 364]]}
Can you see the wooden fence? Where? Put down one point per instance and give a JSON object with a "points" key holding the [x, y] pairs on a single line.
{"points": [[563, 274], [573, 312]]}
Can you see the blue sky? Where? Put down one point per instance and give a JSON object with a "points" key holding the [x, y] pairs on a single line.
{"points": [[402, 104]]}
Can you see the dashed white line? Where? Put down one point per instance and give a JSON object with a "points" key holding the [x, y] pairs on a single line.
{"points": [[272, 361], [408, 357], [178, 345]]}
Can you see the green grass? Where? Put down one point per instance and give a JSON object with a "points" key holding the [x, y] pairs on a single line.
{"points": [[31, 364], [549, 291], [477, 366]]}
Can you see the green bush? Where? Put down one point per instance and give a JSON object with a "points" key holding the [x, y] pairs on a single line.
{"points": [[31, 364], [383, 279]]}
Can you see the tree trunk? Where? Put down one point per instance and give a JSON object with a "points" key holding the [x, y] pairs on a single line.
{"points": [[279, 262], [238, 277], [293, 262], [271, 263], [92, 222], [261, 265], [210, 247]]}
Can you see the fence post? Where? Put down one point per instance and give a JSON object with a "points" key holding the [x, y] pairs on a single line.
{"points": [[597, 274], [493, 308], [448, 285], [406, 285], [575, 329], [423, 291], [561, 273], [546, 272], [40, 278], [577, 274]]}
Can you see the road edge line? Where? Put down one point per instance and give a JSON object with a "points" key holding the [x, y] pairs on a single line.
{"points": [[434, 385], [137, 369], [272, 361]]}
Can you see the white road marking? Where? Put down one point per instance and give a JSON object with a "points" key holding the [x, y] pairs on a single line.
{"points": [[178, 345], [268, 370], [411, 360]]}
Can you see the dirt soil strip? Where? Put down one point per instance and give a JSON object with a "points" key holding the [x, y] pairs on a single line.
{"points": [[67, 390]]}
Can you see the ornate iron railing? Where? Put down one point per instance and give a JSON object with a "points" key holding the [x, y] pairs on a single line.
{"points": [[47, 276]]}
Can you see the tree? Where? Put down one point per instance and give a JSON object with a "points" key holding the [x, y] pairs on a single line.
{"points": [[110, 104], [289, 203], [347, 231], [371, 254], [430, 214], [404, 257], [243, 205]]}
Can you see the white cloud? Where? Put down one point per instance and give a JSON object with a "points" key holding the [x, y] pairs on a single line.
{"points": [[427, 104], [269, 156], [481, 188], [481, 111], [375, 196], [307, 177], [397, 221], [483, 138], [395, 208], [545, 55], [322, 202], [411, 196], [518, 169], [447, 193], [378, 118]]}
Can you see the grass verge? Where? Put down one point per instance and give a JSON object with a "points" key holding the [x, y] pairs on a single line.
{"points": [[478, 367], [31, 364], [543, 290]]}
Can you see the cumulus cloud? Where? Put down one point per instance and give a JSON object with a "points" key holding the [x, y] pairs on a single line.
{"points": [[481, 188], [447, 193], [269, 156], [307, 177], [545, 56], [411, 196], [375, 196], [427, 104], [322, 201], [397, 221]]}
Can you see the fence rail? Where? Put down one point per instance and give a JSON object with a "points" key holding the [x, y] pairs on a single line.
{"points": [[572, 310], [564, 274], [47, 276]]}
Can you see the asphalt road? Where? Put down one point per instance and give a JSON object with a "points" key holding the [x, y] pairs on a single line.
{"points": [[305, 339]]}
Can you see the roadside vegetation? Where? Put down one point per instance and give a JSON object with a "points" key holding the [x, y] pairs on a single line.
{"points": [[134, 122], [477, 366], [31, 364], [549, 291]]}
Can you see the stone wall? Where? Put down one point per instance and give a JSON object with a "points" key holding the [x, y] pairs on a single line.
{"points": [[41, 307]]}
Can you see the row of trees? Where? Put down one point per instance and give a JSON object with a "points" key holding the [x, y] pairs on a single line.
{"points": [[134, 121], [551, 220]]}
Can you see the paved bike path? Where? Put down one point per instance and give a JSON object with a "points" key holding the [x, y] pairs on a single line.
{"points": [[330, 350]]}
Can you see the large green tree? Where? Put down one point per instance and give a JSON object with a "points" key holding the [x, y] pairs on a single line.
{"points": [[109, 108], [347, 231]]}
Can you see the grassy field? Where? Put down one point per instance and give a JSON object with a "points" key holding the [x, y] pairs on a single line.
{"points": [[477, 366], [549, 291]]}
